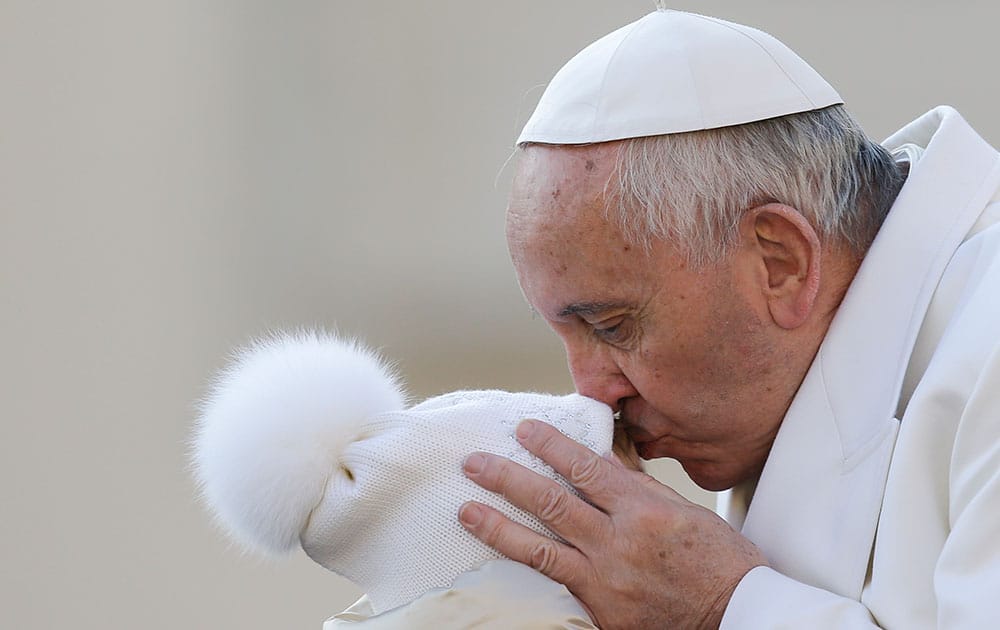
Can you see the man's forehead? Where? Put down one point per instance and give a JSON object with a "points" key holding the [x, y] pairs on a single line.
{"points": [[554, 185], [586, 161]]}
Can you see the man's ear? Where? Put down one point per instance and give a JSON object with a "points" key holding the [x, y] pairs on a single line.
{"points": [[785, 249]]}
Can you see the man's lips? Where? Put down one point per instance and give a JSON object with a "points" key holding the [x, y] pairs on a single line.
{"points": [[635, 433]]}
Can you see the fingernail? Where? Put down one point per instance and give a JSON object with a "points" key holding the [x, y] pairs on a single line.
{"points": [[474, 463], [525, 428], [470, 514]]}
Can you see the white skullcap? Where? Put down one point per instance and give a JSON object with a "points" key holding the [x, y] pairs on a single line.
{"points": [[306, 440], [672, 72]]}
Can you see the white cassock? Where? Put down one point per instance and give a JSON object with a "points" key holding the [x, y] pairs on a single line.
{"points": [[879, 504]]}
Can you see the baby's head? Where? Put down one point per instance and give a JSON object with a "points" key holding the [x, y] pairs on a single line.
{"points": [[307, 440]]}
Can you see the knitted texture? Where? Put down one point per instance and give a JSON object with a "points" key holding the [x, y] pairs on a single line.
{"points": [[393, 528], [305, 440]]}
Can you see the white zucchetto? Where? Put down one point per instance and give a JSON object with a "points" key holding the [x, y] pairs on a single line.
{"points": [[672, 72]]}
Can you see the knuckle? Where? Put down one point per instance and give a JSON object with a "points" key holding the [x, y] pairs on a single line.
{"points": [[543, 556], [648, 481], [553, 504], [501, 474], [490, 530], [585, 471]]}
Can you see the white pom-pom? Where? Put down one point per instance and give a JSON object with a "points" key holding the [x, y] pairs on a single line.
{"points": [[274, 425]]}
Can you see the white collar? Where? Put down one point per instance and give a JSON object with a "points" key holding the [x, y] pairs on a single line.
{"points": [[816, 505]]}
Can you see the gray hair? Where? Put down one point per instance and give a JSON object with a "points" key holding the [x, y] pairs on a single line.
{"points": [[693, 188]]}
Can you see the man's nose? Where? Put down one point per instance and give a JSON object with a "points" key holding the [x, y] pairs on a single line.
{"points": [[596, 375]]}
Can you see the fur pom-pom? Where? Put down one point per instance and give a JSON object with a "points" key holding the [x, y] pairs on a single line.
{"points": [[273, 426]]}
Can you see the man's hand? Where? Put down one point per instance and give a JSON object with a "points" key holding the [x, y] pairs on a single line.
{"points": [[641, 556]]}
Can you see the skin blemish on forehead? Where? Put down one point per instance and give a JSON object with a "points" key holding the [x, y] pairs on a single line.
{"points": [[589, 165]]}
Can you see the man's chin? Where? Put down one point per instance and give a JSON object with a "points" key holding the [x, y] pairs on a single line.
{"points": [[709, 476]]}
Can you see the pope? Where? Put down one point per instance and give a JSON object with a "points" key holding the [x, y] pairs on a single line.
{"points": [[805, 319]]}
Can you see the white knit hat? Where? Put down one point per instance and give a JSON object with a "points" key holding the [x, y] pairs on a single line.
{"points": [[306, 440], [672, 72]]}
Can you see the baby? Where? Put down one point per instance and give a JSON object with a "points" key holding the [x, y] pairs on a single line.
{"points": [[307, 441]]}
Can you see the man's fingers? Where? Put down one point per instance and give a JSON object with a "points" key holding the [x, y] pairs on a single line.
{"points": [[562, 511], [560, 562], [595, 477]]}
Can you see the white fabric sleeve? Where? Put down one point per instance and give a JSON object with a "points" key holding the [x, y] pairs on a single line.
{"points": [[767, 599], [967, 575], [967, 572]]}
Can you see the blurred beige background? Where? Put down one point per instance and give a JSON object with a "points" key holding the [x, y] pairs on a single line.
{"points": [[177, 176]]}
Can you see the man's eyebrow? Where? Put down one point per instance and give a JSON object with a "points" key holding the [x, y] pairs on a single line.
{"points": [[590, 308]]}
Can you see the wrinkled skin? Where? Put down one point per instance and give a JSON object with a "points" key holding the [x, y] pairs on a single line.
{"points": [[641, 556], [702, 365]]}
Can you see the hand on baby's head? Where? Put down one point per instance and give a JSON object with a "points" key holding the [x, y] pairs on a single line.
{"points": [[306, 440]]}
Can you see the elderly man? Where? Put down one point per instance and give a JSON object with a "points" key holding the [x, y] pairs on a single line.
{"points": [[799, 316]]}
